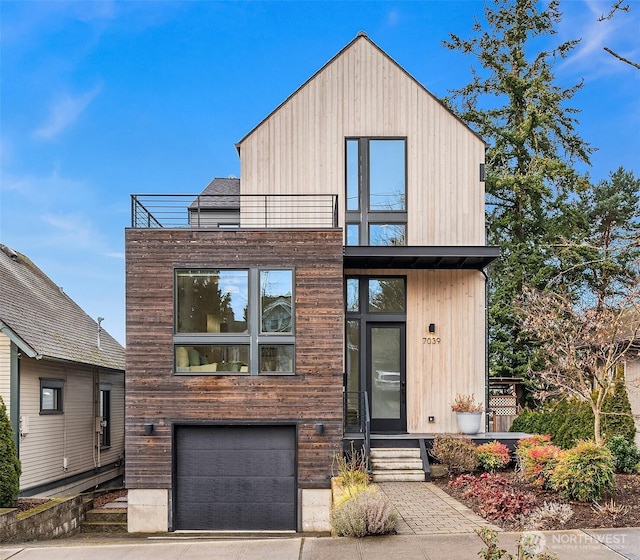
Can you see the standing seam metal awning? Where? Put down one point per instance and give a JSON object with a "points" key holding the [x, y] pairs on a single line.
{"points": [[432, 257]]}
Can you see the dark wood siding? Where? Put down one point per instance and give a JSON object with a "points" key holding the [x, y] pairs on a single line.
{"points": [[155, 395]]}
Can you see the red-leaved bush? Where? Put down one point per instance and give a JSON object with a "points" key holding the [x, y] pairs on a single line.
{"points": [[535, 459], [537, 464], [494, 496], [493, 456]]}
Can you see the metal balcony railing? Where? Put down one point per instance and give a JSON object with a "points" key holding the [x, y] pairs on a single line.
{"points": [[234, 211]]}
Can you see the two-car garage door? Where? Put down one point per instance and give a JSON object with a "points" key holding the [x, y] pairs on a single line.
{"points": [[232, 478]]}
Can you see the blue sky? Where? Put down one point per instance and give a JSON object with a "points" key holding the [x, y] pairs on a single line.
{"points": [[100, 100]]}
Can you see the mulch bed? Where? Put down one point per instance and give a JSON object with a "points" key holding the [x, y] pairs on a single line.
{"points": [[25, 504], [107, 498], [585, 516]]}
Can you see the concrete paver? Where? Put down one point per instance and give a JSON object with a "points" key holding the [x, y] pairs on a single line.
{"points": [[424, 509]]}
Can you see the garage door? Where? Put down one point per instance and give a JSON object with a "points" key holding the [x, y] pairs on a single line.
{"points": [[233, 478]]}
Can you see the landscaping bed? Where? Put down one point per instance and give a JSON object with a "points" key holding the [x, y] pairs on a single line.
{"points": [[625, 513]]}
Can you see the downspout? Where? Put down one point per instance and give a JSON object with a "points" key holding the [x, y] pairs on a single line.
{"points": [[14, 393], [486, 346]]}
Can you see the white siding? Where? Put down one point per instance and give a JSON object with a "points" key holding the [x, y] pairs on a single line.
{"points": [[300, 148], [71, 435], [5, 371]]}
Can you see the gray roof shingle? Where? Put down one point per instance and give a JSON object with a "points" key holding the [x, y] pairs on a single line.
{"points": [[47, 319], [227, 193]]}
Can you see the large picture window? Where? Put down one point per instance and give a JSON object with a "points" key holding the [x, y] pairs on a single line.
{"points": [[234, 321], [376, 191]]}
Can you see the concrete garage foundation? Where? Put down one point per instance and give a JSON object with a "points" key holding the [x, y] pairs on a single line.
{"points": [[148, 511]]}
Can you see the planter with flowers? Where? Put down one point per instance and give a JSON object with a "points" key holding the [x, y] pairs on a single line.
{"points": [[468, 414]]}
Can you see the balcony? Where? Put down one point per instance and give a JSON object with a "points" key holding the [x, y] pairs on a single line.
{"points": [[230, 211]]}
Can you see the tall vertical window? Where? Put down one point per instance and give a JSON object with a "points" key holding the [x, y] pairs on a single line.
{"points": [[376, 191], [104, 412], [234, 321]]}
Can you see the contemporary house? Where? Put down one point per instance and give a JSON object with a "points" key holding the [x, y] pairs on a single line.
{"points": [[62, 381], [335, 292]]}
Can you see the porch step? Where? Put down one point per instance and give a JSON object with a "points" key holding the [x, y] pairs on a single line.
{"points": [[111, 518], [397, 464]]}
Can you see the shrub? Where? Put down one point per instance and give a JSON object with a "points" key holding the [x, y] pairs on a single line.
{"points": [[584, 472], [536, 463], [547, 516], [527, 547], [617, 419], [366, 514], [493, 456], [350, 469], [458, 454], [10, 467], [626, 455], [495, 496]]}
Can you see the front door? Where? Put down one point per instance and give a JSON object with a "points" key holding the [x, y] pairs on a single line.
{"points": [[386, 376], [375, 349]]}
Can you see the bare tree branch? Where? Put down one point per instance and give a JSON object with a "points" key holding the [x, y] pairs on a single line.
{"points": [[618, 5], [622, 58]]}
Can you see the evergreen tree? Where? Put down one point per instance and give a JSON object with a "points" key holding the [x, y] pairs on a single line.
{"points": [[10, 468], [515, 105], [600, 261]]}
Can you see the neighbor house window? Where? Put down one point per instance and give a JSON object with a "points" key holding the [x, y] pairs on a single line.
{"points": [[51, 396], [104, 413], [234, 321], [376, 191]]}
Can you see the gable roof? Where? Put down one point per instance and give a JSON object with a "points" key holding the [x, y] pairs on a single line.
{"points": [[226, 193], [361, 36], [44, 322]]}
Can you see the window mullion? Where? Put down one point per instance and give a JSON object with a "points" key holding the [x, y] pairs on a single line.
{"points": [[254, 319]]}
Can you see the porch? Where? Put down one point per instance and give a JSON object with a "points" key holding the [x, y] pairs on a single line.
{"points": [[400, 456]]}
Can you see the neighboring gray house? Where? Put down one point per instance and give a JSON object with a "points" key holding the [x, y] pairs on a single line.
{"points": [[62, 380]]}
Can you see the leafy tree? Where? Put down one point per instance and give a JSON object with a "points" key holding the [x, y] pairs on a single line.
{"points": [[10, 468], [515, 105]]}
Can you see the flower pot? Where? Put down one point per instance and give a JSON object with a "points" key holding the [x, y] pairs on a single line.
{"points": [[469, 422]]}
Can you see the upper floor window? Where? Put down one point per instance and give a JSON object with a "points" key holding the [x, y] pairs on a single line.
{"points": [[234, 321], [376, 193]]}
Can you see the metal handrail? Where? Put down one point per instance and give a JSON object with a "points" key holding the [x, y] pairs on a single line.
{"points": [[362, 419], [367, 431], [234, 211]]}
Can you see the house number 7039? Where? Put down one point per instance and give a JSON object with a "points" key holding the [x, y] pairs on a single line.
{"points": [[431, 340]]}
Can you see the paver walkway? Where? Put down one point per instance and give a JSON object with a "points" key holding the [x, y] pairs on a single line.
{"points": [[424, 509]]}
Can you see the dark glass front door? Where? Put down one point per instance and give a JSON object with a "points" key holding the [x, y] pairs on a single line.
{"points": [[386, 379]]}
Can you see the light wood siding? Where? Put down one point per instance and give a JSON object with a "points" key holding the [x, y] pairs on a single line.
{"points": [[454, 301], [632, 377], [300, 147], [52, 437], [5, 371], [154, 394]]}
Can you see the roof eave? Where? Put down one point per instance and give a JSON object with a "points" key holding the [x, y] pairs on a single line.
{"points": [[19, 341]]}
